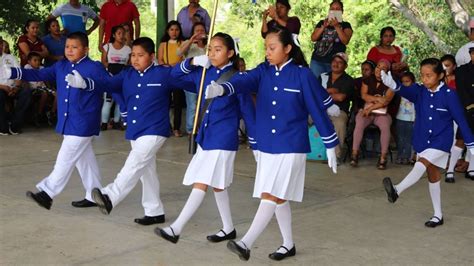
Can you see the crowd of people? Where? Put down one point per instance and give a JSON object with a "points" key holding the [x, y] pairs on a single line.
{"points": [[58, 83]]}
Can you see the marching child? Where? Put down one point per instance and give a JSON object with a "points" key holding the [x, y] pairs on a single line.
{"points": [[213, 164], [286, 93], [145, 90], [436, 107], [78, 121]]}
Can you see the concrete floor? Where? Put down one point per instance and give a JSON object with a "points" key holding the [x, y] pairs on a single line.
{"points": [[345, 219]]}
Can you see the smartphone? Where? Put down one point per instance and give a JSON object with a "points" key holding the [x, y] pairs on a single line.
{"points": [[337, 14]]}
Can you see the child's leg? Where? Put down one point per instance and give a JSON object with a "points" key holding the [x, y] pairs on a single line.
{"points": [[456, 151], [71, 151], [151, 190], [412, 177], [435, 190], [106, 109], [283, 215], [89, 171], [42, 102], [222, 201], [143, 151], [117, 113]]}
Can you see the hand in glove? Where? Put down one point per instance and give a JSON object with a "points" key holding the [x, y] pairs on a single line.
{"points": [[332, 159], [76, 80], [213, 90], [387, 79], [5, 72], [202, 60], [333, 110]]}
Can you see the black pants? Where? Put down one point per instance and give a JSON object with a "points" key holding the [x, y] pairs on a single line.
{"points": [[22, 101], [178, 104]]}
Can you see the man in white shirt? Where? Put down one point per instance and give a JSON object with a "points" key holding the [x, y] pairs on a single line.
{"points": [[462, 56], [9, 90]]}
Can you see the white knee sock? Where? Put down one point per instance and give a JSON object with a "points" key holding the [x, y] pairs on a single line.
{"points": [[192, 204], [471, 162], [260, 221], [411, 178], [283, 215], [455, 154], [222, 201], [435, 192]]}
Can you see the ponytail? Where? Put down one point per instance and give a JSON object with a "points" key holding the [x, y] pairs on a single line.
{"points": [[230, 44], [286, 38]]}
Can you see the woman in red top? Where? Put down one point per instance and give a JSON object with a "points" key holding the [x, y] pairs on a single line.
{"points": [[386, 50], [30, 42]]}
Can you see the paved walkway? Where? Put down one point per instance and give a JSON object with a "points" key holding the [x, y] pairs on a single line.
{"points": [[345, 219]]}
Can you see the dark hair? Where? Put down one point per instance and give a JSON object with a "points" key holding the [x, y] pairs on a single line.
{"points": [[32, 54], [448, 57], [230, 44], [146, 43], [285, 37], [113, 31], [409, 75], [205, 30], [435, 63], [48, 23], [27, 24], [370, 63], [284, 2], [80, 36], [383, 30], [338, 2], [166, 36]]}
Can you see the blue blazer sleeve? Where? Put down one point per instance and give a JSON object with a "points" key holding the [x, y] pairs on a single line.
{"points": [[104, 82], [457, 111], [187, 75], [410, 93], [247, 111], [244, 82], [44, 74]]}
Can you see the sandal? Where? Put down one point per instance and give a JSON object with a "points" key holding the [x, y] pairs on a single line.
{"points": [[462, 167], [354, 160], [382, 165]]}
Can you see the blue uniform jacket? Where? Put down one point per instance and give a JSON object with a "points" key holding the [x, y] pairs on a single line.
{"points": [[219, 128], [78, 110], [435, 112], [146, 96], [285, 98]]}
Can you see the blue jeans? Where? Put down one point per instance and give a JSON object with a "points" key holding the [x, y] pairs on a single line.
{"points": [[191, 99], [404, 135], [319, 67]]}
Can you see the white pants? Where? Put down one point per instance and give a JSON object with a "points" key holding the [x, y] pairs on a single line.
{"points": [[140, 164], [74, 152]]}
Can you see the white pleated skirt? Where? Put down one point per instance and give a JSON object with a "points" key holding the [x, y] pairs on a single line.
{"points": [[214, 168], [281, 175], [436, 157]]}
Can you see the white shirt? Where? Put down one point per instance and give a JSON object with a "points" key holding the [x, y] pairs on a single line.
{"points": [[35, 84], [462, 56], [115, 56], [9, 61]]}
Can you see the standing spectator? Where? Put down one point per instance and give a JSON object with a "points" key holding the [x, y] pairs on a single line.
{"points": [[30, 42], [405, 121], [10, 89], [116, 12], [279, 15], [341, 88], [449, 65], [190, 14], [462, 56], [74, 16], [331, 37], [386, 50], [54, 42]]}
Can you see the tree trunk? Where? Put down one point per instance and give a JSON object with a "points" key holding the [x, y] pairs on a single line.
{"points": [[460, 15], [420, 24]]}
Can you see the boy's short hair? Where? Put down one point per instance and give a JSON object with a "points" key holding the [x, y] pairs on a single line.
{"points": [[33, 54], [81, 37], [146, 43]]}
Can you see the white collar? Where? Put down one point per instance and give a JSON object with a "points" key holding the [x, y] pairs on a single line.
{"points": [[80, 60], [441, 84], [282, 66], [146, 69], [224, 67]]}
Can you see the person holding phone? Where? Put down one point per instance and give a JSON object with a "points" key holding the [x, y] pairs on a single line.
{"points": [[279, 15], [330, 36]]}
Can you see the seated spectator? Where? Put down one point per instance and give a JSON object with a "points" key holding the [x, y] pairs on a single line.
{"points": [[449, 65], [377, 97], [405, 122], [54, 41], [30, 42], [367, 69], [341, 88], [386, 50], [11, 90], [279, 16], [6, 47], [39, 91], [330, 37]]}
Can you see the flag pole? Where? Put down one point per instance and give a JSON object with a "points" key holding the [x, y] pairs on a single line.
{"points": [[192, 139]]}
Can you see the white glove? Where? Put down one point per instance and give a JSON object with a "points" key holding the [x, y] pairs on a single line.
{"points": [[202, 60], [76, 80], [388, 80], [5, 72], [213, 90], [333, 110], [255, 155], [332, 159]]}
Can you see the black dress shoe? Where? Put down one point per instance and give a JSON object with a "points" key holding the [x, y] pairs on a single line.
{"points": [[102, 200], [147, 220], [244, 253], [83, 204], [42, 198], [433, 224], [172, 238], [468, 175], [449, 180], [390, 189], [215, 238], [279, 256]]}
